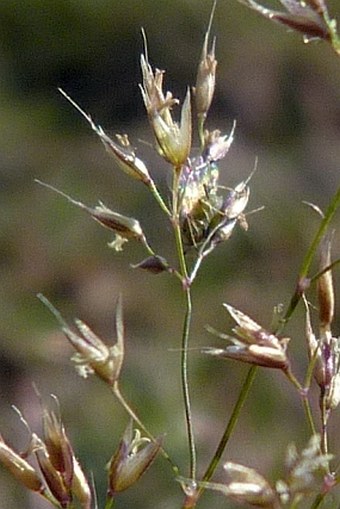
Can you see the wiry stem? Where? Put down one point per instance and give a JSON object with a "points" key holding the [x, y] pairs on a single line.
{"points": [[117, 393], [307, 261], [110, 502], [233, 419], [187, 322], [155, 193], [185, 383], [324, 420], [191, 501], [318, 500]]}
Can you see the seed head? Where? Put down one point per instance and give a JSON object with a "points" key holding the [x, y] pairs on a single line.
{"points": [[206, 74], [123, 153], [20, 468], [325, 288], [246, 485], [305, 470], [304, 17], [80, 486], [58, 446], [132, 458], [93, 355], [53, 478], [252, 344], [154, 264], [325, 351], [243, 484], [216, 146], [124, 227], [173, 140]]}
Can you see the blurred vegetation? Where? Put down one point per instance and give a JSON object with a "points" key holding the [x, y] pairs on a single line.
{"points": [[285, 96]]}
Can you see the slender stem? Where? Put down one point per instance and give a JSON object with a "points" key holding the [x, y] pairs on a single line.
{"points": [[200, 126], [155, 193], [324, 270], [305, 401], [318, 500], [233, 419], [184, 352], [334, 204], [110, 502], [204, 250], [335, 40], [117, 393], [185, 383], [186, 324], [295, 502], [308, 412], [190, 502], [332, 207], [324, 420]]}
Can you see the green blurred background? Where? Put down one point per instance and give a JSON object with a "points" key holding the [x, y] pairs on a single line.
{"points": [[285, 96]]}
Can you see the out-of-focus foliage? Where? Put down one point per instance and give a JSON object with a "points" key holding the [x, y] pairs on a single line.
{"points": [[285, 97]]}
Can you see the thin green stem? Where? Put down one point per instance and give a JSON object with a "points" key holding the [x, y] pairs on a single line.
{"points": [[318, 500], [324, 420], [155, 193], [309, 415], [307, 261], [200, 126], [292, 378], [117, 393], [335, 40], [186, 324], [305, 401], [191, 502], [110, 502], [176, 225], [323, 271], [295, 503], [185, 383], [233, 419]]}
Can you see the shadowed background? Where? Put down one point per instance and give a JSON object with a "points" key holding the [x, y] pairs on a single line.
{"points": [[285, 97]]}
